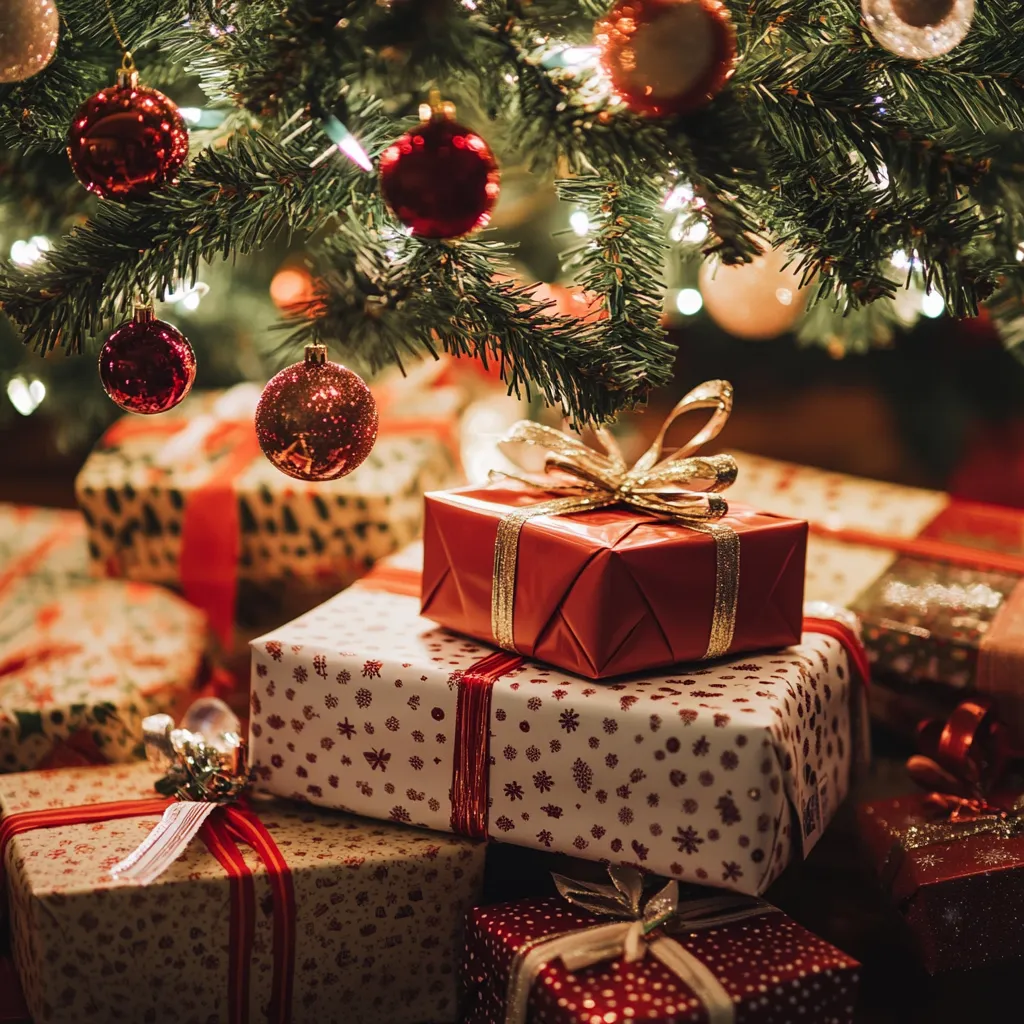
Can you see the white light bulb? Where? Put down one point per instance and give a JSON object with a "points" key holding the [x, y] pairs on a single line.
{"points": [[678, 197], [25, 395], [932, 304], [579, 222], [190, 114], [696, 232], [25, 252], [689, 301]]}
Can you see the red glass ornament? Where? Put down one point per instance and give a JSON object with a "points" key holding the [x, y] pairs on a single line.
{"points": [[667, 56], [127, 141], [440, 179], [147, 366], [316, 420]]}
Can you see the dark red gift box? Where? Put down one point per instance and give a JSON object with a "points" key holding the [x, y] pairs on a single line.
{"points": [[961, 899], [772, 969], [612, 591]]}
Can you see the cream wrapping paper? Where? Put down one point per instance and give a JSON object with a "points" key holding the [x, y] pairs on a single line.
{"points": [[379, 915], [718, 774]]}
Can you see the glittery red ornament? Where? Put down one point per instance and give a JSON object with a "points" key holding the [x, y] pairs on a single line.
{"points": [[146, 365], [316, 420], [127, 141], [667, 56], [440, 179]]}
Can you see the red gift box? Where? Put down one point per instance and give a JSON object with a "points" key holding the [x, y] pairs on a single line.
{"points": [[953, 859], [604, 570], [961, 898], [609, 592], [720, 959]]}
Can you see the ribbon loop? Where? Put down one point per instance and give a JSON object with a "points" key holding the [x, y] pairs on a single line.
{"points": [[643, 927], [681, 487], [204, 761]]}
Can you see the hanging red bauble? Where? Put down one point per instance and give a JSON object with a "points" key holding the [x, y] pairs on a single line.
{"points": [[147, 366], [316, 420], [440, 179], [127, 141], [667, 56]]}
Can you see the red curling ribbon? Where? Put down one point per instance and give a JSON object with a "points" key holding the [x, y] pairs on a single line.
{"points": [[962, 759], [221, 832]]}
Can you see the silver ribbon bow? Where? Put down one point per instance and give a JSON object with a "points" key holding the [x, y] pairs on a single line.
{"points": [[204, 765], [643, 927]]}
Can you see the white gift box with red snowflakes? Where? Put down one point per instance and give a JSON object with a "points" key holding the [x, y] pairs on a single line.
{"points": [[718, 774]]}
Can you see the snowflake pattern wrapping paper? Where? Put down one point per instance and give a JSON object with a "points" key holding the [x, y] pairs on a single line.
{"points": [[189, 501], [961, 900], [82, 660], [934, 626], [774, 971], [380, 912], [694, 774]]}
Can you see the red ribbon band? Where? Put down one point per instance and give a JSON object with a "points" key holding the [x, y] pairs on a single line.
{"points": [[211, 527], [471, 768], [221, 833]]}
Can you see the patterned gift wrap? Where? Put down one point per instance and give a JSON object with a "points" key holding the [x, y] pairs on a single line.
{"points": [[935, 626], [168, 502], [772, 971], [960, 898], [82, 660], [716, 773], [379, 914]]}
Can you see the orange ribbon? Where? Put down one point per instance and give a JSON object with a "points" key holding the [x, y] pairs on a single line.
{"points": [[926, 548]]}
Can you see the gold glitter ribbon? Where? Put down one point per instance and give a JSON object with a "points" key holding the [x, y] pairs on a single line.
{"points": [[642, 928], [680, 486]]}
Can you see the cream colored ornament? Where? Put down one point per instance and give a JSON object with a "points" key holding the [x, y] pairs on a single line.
{"points": [[29, 30], [755, 301]]}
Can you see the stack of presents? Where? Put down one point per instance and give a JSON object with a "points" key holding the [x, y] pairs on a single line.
{"points": [[652, 678]]}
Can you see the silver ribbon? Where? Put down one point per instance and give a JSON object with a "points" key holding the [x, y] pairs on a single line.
{"points": [[204, 762], [642, 928]]}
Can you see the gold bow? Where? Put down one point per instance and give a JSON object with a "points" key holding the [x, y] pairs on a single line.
{"points": [[681, 486], [642, 927]]}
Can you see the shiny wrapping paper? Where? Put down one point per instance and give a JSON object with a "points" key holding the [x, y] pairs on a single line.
{"points": [[613, 591], [933, 629], [716, 774], [197, 480], [82, 660], [774, 970], [379, 915], [961, 900]]}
